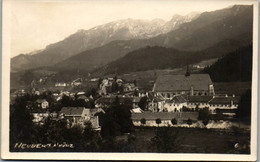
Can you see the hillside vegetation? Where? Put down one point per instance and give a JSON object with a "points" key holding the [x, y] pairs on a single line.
{"points": [[236, 66]]}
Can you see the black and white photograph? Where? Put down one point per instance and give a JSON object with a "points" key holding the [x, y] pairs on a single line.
{"points": [[129, 80]]}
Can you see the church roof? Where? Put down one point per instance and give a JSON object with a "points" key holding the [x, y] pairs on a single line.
{"points": [[167, 83]]}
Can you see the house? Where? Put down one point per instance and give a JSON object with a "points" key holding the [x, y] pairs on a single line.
{"points": [[80, 115], [175, 104], [94, 79], [83, 97], [168, 86], [81, 93], [137, 110], [60, 84], [42, 103], [107, 101], [165, 117], [37, 93], [40, 117], [198, 101], [129, 87], [142, 93], [156, 104], [224, 104]]}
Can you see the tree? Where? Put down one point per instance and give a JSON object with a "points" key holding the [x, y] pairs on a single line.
{"points": [[166, 140], [100, 81], [189, 122], [143, 121], [114, 87], [135, 82], [91, 138], [143, 103], [136, 92], [117, 119], [174, 121], [197, 108], [204, 114], [243, 111], [205, 122], [21, 124], [185, 109], [158, 121], [66, 101]]}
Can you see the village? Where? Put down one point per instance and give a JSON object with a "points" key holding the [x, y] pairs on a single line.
{"points": [[175, 100]]}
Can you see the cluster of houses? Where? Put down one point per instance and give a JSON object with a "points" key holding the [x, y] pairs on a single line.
{"points": [[115, 85], [72, 115], [177, 97]]}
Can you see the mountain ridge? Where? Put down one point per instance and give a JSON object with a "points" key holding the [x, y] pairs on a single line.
{"points": [[95, 37], [197, 35]]}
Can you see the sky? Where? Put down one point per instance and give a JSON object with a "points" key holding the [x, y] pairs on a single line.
{"points": [[38, 23]]}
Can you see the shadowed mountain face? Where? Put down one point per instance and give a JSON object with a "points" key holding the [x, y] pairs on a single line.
{"points": [[151, 58], [98, 36], [214, 33]]}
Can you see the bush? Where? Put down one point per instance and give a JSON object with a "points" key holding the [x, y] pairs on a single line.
{"points": [[158, 121], [174, 121]]}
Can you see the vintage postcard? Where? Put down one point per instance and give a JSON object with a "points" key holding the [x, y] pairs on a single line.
{"points": [[130, 80]]}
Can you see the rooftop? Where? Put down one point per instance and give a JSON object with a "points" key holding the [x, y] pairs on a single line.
{"points": [[224, 100], [178, 99], [165, 115], [204, 99], [166, 83], [40, 100], [111, 99], [75, 111]]}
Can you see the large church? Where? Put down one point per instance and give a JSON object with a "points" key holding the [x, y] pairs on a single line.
{"points": [[169, 86]]}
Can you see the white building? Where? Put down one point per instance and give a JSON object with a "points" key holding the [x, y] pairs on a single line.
{"points": [[175, 104]]}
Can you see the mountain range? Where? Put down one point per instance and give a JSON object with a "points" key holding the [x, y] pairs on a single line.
{"points": [[134, 45], [219, 31], [83, 40]]}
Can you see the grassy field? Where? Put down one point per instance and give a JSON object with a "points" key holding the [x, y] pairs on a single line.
{"points": [[195, 140]]}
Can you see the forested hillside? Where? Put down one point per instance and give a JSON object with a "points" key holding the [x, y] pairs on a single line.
{"points": [[236, 66]]}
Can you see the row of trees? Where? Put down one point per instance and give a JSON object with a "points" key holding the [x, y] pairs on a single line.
{"points": [[159, 121]]}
